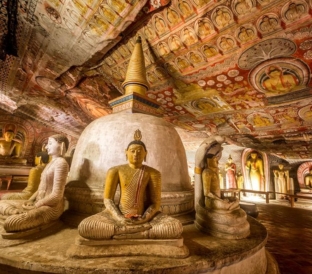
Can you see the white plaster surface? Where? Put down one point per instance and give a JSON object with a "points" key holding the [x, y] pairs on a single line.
{"points": [[103, 142]]}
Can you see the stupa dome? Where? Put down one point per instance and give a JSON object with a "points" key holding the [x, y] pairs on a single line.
{"points": [[102, 145]]}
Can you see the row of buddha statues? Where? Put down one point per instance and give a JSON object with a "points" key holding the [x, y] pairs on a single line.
{"points": [[137, 214], [254, 178]]}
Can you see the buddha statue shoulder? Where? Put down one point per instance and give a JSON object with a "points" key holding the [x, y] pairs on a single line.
{"points": [[33, 181], [47, 203], [137, 215]]}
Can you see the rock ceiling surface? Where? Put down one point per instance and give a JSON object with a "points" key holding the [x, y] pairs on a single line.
{"points": [[238, 68]]}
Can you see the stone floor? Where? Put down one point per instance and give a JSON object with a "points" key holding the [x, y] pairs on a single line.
{"points": [[290, 233]]}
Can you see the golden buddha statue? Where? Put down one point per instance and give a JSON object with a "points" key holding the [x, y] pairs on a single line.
{"points": [[10, 149], [137, 214], [220, 217], [255, 171], [281, 179], [308, 179], [47, 203], [32, 182]]}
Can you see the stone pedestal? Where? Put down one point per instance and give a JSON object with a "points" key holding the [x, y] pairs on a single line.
{"points": [[207, 255], [168, 248]]}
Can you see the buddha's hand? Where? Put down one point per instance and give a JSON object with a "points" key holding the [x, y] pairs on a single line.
{"points": [[134, 219], [29, 205], [120, 219], [15, 211]]}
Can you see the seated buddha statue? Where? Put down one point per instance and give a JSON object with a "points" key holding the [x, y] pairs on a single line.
{"points": [[137, 214], [32, 182], [215, 215], [10, 149], [47, 203]]}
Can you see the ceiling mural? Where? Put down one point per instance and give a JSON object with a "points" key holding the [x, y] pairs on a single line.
{"points": [[239, 68]]}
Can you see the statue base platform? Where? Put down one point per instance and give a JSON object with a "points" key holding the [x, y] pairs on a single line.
{"points": [[30, 232], [170, 248], [207, 254]]}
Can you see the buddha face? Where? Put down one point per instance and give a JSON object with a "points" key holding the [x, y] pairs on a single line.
{"points": [[136, 154], [280, 166], [274, 73], [214, 161], [9, 136], [53, 147], [254, 155]]}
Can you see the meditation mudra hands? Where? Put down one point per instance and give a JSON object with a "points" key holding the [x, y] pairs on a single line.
{"points": [[29, 205]]}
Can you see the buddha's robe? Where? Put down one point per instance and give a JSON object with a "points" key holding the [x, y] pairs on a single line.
{"points": [[140, 195], [48, 200]]}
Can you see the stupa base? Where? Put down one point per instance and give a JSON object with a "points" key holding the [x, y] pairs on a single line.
{"points": [[207, 254]]}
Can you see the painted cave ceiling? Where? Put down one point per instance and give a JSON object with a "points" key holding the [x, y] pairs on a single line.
{"points": [[237, 68]]}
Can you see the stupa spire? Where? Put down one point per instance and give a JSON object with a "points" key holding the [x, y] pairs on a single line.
{"points": [[135, 99], [136, 74]]}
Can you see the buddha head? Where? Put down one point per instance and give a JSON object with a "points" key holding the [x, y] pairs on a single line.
{"points": [[57, 145], [9, 135], [281, 166], [230, 160], [214, 154], [254, 155], [274, 71], [136, 150]]}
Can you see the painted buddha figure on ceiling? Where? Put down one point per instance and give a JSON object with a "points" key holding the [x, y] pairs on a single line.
{"points": [[204, 29], [223, 18], [137, 214], [175, 43], [278, 82], [173, 17], [294, 11], [47, 203], [209, 51], [189, 37], [160, 25], [185, 8], [243, 7], [246, 34], [226, 43], [268, 24]]}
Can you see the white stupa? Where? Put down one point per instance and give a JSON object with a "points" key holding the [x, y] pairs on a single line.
{"points": [[103, 142]]}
